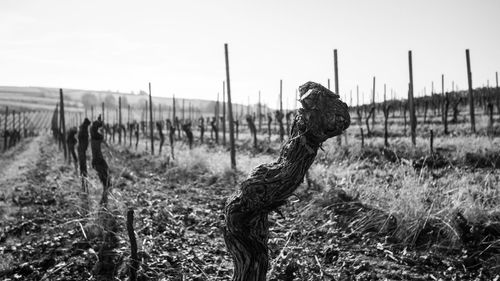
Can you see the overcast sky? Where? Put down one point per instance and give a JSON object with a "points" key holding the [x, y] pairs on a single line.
{"points": [[178, 46]]}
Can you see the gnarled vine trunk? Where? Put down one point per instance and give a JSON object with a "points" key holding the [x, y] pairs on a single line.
{"points": [[98, 162], [370, 114], [269, 185], [83, 144], [189, 134], [253, 129]]}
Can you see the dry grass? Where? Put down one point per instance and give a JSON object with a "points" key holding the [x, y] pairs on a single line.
{"points": [[424, 202]]}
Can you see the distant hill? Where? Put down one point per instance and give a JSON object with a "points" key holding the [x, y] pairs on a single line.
{"points": [[77, 100]]}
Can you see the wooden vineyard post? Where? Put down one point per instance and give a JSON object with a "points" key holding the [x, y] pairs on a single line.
{"points": [[12, 139], [259, 114], [63, 124], [362, 137], [230, 111], [119, 120], [134, 260], [103, 111], [359, 112], [55, 124], [20, 120], [269, 185], [446, 104], [279, 116], [151, 121], [413, 119], [336, 73], [6, 135], [431, 142], [386, 119], [471, 94], [216, 120], [373, 106], [223, 113], [498, 93], [145, 125], [269, 121], [202, 128], [24, 125], [171, 125], [183, 110], [130, 129]]}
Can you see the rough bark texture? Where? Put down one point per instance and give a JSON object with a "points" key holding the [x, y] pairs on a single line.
{"points": [[98, 162], [269, 185], [83, 144]]}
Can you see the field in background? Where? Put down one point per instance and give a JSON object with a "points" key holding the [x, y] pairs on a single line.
{"points": [[365, 212]]}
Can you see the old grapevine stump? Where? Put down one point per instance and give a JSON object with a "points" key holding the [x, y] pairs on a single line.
{"points": [[83, 144], [98, 162], [322, 116], [253, 130], [189, 134]]}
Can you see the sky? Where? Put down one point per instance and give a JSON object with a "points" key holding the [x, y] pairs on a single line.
{"points": [[178, 46]]}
